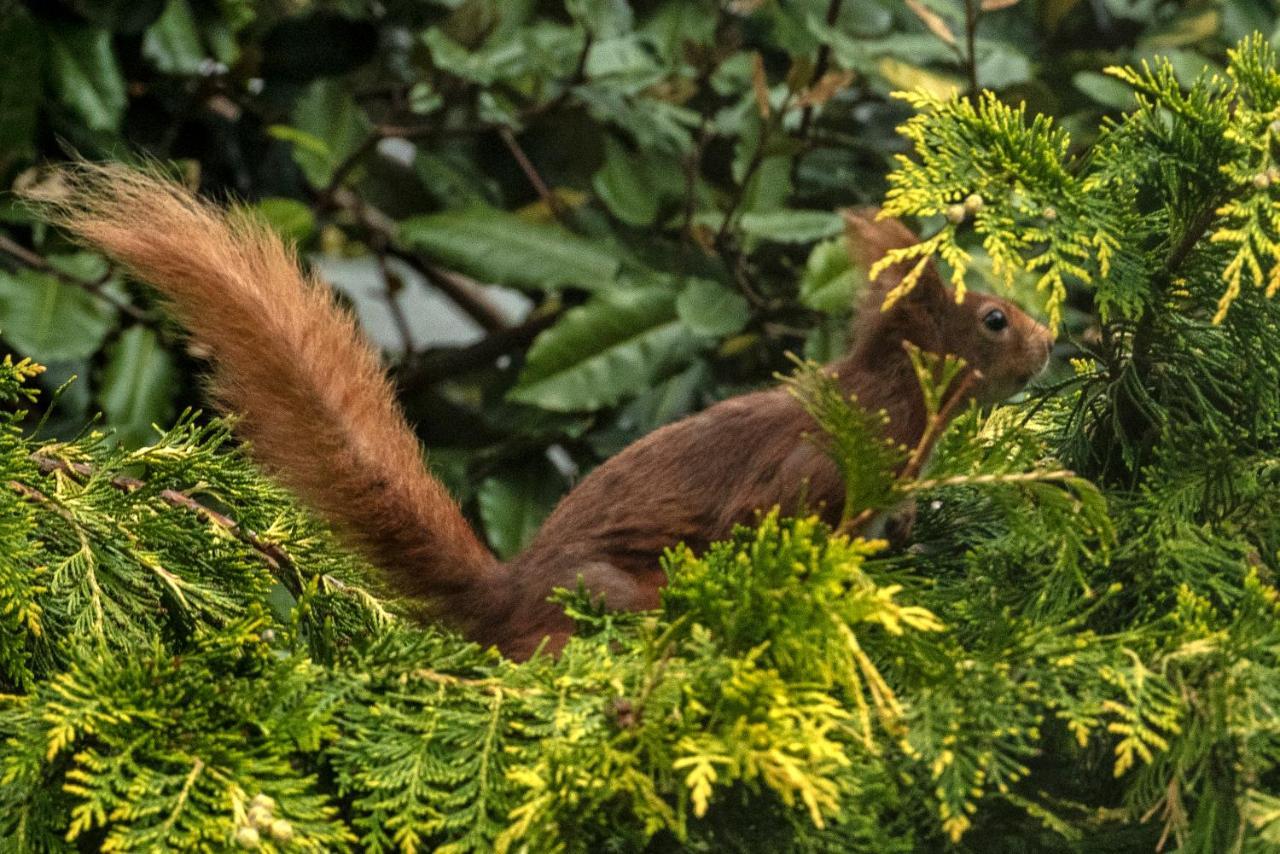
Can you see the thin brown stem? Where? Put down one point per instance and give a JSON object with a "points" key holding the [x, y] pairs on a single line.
{"points": [[463, 292], [432, 367], [93, 287], [273, 555], [820, 65], [349, 163], [971, 13], [535, 178], [393, 285], [379, 232]]}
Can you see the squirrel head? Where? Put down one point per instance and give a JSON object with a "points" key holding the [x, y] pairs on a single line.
{"points": [[992, 335]]}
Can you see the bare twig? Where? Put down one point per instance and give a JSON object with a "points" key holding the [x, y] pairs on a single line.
{"points": [[434, 366], [350, 162], [94, 287], [820, 65], [972, 11], [380, 230], [462, 291], [535, 179], [392, 286]]}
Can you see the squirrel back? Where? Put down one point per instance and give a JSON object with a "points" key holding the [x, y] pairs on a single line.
{"points": [[321, 416]]}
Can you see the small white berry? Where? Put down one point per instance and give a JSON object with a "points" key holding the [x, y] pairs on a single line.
{"points": [[1050, 213], [281, 830], [1262, 180], [1274, 127], [973, 203], [248, 837], [956, 214]]}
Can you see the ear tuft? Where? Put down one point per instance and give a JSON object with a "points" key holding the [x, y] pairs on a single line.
{"points": [[870, 236]]}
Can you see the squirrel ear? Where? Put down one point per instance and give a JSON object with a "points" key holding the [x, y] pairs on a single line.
{"points": [[869, 239]]}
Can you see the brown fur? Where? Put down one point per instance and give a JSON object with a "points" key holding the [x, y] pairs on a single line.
{"points": [[321, 416]]}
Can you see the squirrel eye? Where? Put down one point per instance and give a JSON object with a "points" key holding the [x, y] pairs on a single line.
{"points": [[995, 320]]}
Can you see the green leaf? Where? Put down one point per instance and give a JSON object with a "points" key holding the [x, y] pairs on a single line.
{"points": [[623, 185], [513, 505], [612, 347], [327, 113], [1002, 65], [792, 226], [709, 308], [86, 77], [137, 386], [456, 59], [602, 18], [501, 248], [172, 43], [119, 16], [830, 279], [1107, 91], [49, 320], [290, 218], [20, 45]]}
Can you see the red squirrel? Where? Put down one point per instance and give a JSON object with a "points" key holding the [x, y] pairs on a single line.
{"points": [[321, 416]]}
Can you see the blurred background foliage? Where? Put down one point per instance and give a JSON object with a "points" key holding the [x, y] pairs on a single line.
{"points": [[564, 223]]}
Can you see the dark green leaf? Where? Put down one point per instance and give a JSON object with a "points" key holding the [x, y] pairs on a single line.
{"points": [[830, 279], [791, 226], [86, 77], [49, 320], [513, 505], [501, 248], [1107, 91], [289, 217], [709, 308], [119, 16], [21, 46], [322, 44], [327, 113], [610, 348], [173, 41], [137, 386], [622, 185]]}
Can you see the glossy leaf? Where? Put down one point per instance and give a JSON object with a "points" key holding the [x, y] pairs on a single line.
{"points": [[137, 386], [501, 248], [50, 320], [513, 505], [612, 347], [709, 308], [173, 41], [622, 184], [791, 226], [327, 113], [86, 76], [289, 217], [829, 279]]}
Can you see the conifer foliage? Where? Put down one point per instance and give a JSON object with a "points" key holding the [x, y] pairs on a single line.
{"points": [[1079, 652]]}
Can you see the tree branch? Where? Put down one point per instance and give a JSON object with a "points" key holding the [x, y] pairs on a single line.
{"points": [[93, 287], [273, 555], [535, 179]]}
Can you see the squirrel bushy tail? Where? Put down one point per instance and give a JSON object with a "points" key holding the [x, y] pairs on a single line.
{"points": [[313, 400]]}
